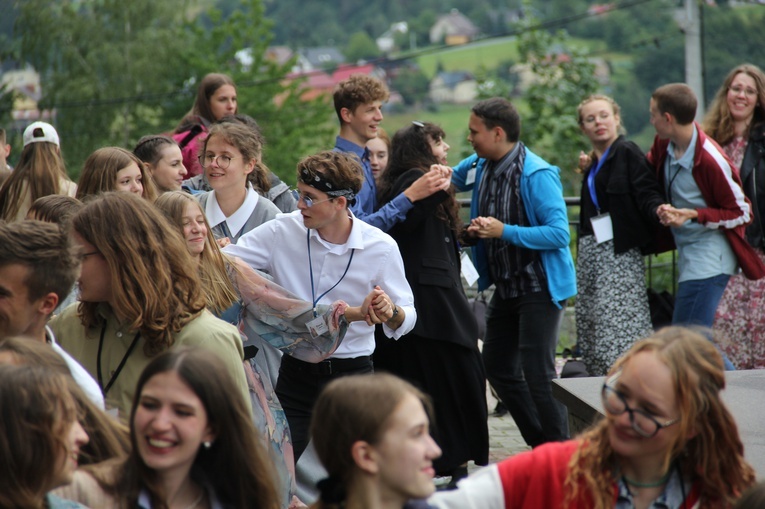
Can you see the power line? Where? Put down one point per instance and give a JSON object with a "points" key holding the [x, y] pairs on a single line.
{"points": [[544, 25]]}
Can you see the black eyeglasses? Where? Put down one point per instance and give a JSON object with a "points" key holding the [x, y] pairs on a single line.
{"points": [[644, 424], [207, 160]]}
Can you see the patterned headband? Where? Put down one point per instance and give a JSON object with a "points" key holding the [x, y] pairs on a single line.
{"points": [[318, 181]]}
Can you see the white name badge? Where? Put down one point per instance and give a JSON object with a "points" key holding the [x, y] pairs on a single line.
{"points": [[317, 327], [470, 177], [602, 228], [469, 271]]}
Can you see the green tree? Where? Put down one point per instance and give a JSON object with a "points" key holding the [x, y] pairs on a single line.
{"points": [[102, 65], [412, 84], [563, 77], [114, 71], [361, 47], [293, 127]]}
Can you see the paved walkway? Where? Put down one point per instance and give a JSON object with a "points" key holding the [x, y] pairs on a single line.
{"points": [[504, 437]]}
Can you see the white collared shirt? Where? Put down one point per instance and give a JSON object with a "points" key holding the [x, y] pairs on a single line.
{"points": [[235, 222], [80, 374], [280, 248]]}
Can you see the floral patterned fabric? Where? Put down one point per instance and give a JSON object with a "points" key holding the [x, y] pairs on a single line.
{"points": [[612, 304], [740, 321], [740, 318], [275, 321]]}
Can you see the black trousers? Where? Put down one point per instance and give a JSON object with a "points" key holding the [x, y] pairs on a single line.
{"points": [[299, 385]]}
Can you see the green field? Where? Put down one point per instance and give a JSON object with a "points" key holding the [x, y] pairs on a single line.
{"points": [[472, 58]]}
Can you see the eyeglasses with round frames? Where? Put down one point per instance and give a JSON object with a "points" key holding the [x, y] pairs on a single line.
{"points": [[737, 89], [310, 202], [206, 160], [644, 424]]}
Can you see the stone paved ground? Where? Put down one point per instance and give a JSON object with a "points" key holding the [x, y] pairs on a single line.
{"points": [[504, 437]]}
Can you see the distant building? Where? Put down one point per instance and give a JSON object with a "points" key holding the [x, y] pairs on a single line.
{"points": [[320, 58], [320, 83], [452, 29], [24, 84], [387, 41], [458, 87]]}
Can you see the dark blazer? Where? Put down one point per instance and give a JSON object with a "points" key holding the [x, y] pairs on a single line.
{"points": [[632, 197], [752, 173], [431, 257]]}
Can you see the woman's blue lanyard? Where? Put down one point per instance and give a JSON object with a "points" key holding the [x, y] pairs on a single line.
{"points": [[310, 269], [591, 179]]}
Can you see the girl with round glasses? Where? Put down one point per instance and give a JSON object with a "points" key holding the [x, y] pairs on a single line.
{"points": [[231, 161], [667, 440], [736, 120]]}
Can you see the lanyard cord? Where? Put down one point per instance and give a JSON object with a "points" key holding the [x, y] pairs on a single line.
{"points": [[119, 367], [591, 179], [310, 270]]}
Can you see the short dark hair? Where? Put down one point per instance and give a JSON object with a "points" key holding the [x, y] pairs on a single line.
{"points": [[356, 90], [48, 251], [499, 112], [678, 100]]}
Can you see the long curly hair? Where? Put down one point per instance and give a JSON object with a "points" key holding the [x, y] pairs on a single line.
{"points": [[410, 149], [154, 282], [220, 292], [718, 122], [708, 450]]}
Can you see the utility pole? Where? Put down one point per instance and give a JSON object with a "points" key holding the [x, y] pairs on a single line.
{"points": [[694, 76]]}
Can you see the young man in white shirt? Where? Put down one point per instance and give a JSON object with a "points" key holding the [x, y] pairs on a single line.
{"points": [[38, 267], [323, 253]]}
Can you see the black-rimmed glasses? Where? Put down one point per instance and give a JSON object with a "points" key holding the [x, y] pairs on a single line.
{"points": [[644, 424]]}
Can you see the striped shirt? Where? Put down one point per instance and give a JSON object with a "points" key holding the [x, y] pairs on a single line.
{"points": [[516, 271]]}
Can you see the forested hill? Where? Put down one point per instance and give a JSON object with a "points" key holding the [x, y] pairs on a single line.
{"points": [[305, 23]]}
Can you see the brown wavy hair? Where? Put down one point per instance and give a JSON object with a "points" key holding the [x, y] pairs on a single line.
{"points": [[33, 434], [708, 450], [718, 122], [99, 174], [39, 172], [235, 466], [213, 264], [108, 438], [358, 89], [154, 282]]}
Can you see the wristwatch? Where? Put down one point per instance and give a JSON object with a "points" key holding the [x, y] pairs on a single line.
{"points": [[395, 311]]}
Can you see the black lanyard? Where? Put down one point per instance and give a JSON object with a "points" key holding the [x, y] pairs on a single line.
{"points": [[310, 269], [121, 364]]}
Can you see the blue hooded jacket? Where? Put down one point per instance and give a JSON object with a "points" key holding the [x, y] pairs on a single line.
{"points": [[545, 208]]}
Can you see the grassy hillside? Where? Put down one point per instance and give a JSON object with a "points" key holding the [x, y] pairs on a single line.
{"points": [[474, 57]]}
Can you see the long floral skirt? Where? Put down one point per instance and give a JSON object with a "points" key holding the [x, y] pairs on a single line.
{"points": [[611, 305], [740, 321]]}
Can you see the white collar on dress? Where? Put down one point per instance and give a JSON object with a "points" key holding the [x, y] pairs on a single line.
{"points": [[235, 221]]}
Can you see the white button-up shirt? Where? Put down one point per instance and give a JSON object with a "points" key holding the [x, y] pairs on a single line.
{"points": [[280, 247]]}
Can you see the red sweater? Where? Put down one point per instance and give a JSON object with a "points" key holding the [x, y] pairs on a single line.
{"points": [[535, 479], [722, 191]]}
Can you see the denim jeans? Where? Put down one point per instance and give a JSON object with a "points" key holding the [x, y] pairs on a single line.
{"points": [[519, 355], [696, 302]]}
